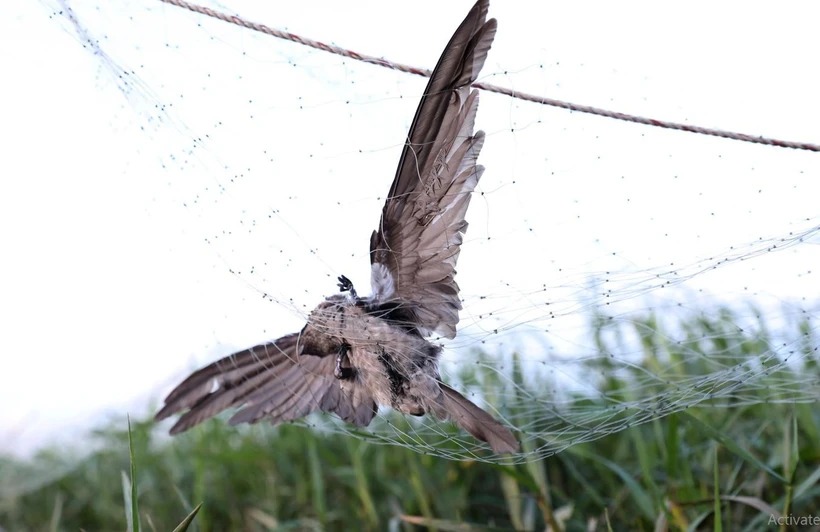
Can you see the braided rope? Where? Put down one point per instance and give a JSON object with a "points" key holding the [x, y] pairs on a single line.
{"points": [[239, 21]]}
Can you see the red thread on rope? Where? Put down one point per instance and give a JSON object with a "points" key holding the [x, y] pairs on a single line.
{"points": [[234, 19]]}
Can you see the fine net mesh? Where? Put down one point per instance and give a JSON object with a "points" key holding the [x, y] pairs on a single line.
{"points": [[612, 273]]}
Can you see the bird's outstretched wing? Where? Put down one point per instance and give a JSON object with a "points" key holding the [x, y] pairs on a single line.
{"points": [[413, 253], [272, 381]]}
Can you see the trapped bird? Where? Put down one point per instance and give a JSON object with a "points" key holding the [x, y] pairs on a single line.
{"points": [[356, 353]]}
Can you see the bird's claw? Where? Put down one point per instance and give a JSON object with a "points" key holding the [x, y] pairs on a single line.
{"points": [[346, 285], [343, 371]]}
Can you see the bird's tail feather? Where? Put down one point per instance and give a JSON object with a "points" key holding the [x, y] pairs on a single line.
{"points": [[476, 421]]}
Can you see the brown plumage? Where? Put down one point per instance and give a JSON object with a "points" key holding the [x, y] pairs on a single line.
{"points": [[357, 353]]}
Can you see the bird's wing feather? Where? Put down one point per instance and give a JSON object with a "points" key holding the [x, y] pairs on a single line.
{"points": [[414, 251], [270, 381]]}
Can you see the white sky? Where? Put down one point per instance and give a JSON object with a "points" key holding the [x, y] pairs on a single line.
{"points": [[115, 276]]}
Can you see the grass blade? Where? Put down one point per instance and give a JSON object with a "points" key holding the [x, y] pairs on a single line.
{"points": [[730, 444], [183, 526], [718, 520]]}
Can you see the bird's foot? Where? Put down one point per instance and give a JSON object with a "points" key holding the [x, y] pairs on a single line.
{"points": [[346, 285], [343, 370]]}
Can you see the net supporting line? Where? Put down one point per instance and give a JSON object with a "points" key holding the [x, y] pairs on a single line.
{"points": [[239, 21]]}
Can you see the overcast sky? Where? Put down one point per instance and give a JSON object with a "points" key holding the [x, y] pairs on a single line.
{"points": [[152, 193]]}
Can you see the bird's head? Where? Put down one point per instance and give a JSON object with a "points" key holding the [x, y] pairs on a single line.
{"points": [[322, 334]]}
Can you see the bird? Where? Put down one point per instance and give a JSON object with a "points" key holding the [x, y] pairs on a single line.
{"points": [[356, 353]]}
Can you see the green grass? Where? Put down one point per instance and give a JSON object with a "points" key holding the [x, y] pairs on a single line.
{"points": [[727, 467]]}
